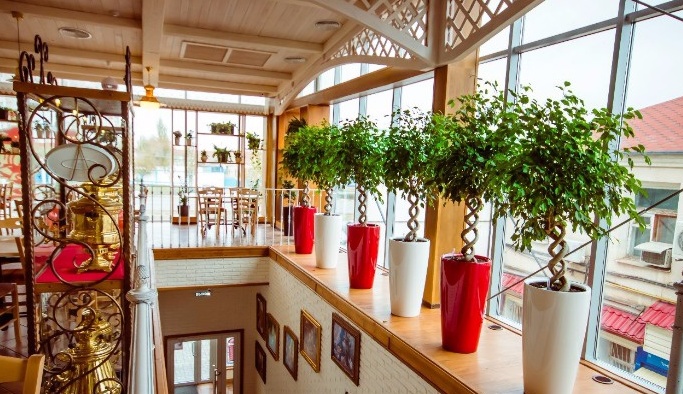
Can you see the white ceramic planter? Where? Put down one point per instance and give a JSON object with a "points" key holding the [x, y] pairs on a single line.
{"points": [[327, 238], [553, 329], [407, 275]]}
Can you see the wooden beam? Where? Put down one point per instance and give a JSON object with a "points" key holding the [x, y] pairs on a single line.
{"points": [[69, 15], [114, 58], [173, 81], [152, 31], [76, 72], [223, 69], [379, 26], [241, 40]]}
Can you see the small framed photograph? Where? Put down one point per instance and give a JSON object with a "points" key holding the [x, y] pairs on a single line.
{"points": [[290, 352], [273, 341], [260, 362], [346, 347], [261, 315], [310, 336]]}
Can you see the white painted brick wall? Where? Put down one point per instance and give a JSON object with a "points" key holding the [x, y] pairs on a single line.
{"points": [[234, 308], [214, 271]]}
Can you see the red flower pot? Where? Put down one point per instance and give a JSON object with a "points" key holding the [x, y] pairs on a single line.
{"points": [[303, 229], [361, 245], [464, 286]]}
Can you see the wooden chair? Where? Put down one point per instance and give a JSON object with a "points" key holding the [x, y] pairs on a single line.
{"points": [[244, 209], [11, 267], [211, 209], [22, 375], [9, 310], [6, 199]]}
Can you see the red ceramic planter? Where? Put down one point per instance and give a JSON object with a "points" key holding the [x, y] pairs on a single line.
{"points": [[303, 229], [464, 286], [362, 243]]}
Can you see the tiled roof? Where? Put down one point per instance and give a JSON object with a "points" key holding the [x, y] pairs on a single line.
{"points": [[509, 279], [661, 129], [623, 324], [632, 327]]}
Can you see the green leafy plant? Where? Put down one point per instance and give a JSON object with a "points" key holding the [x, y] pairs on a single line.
{"points": [[409, 161], [312, 153], [295, 124], [222, 127], [472, 154], [222, 155], [361, 152], [288, 191], [254, 145], [563, 171]]}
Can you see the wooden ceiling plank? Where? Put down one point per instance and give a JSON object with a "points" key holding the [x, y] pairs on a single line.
{"points": [[244, 41], [75, 53], [372, 22], [221, 69], [167, 80], [69, 15], [76, 72], [153, 12]]}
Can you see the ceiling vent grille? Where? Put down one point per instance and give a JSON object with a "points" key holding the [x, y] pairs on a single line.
{"points": [[221, 54]]}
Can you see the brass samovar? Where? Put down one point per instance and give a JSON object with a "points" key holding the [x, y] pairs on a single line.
{"points": [[92, 225], [91, 369]]}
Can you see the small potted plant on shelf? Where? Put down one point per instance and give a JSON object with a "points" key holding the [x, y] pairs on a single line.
{"points": [[289, 197], [183, 207], [177, 135], [188, 138], [238, 156], [362, 155], [563, 170], [254, 145], [222, 155], [468, 163], [222, 128], [409, 163], [204, 156]]}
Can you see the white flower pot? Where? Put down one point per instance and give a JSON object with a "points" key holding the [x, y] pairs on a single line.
{"points": [[407, 275], [553, 329], [327, 240]]}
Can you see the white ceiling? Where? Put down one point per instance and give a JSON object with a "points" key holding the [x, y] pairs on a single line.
{"points": [[239, 46]]}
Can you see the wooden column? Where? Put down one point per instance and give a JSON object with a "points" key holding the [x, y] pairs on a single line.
{"points": [[443, 223]]}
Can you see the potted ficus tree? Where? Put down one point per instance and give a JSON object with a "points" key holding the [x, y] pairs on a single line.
{"points": [[468, 161], [561, 173], [409, 162], [361, 157], [325, 172], [297, 159]]}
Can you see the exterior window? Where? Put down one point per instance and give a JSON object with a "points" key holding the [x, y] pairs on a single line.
{"points": [[660, 221], [621, 357]]}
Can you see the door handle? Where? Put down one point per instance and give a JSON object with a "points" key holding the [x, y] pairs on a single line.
{"points": [[216, 374]]}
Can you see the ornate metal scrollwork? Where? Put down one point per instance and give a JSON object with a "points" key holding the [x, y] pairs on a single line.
{"points": [[27, 63]]}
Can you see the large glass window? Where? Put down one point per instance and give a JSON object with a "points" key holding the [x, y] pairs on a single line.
{"points": [[556, 16]]}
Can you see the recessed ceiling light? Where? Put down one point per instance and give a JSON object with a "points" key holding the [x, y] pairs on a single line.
{"points": [[74, 32], [295, 59], [327, 25]]}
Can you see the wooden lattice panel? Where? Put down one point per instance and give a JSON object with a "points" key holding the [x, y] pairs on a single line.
{"points": [[369, 43], [465, 17], [408, 16]]}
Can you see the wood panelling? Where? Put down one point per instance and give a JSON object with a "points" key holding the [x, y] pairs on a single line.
{"points": [[206, 253]]}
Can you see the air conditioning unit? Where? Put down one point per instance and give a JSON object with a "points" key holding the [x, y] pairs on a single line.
{"points": [[656, 253], [678, 241]]}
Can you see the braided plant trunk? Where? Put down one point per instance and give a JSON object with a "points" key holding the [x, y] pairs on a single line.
{"points": [[413, 211], [557, 265], [328, 201], [474, 206], [362, 198], [306, 199]]}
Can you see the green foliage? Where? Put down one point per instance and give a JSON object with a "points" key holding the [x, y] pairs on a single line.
{"points": [[410, 147], [295, 124], [362, 155], [562, 169], [221, 154], [472, 152], [253, 142], [312, 154]]}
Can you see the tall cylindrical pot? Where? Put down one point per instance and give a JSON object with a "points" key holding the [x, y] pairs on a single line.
{"points": [[553, 329], [327, 238], [362, 243], [303, 229], [287, 220], [407, 274], [464, 286]]}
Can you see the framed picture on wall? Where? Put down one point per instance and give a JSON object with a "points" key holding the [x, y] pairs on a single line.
{"points": [[273, 340], [310, 337], [261, 315], [260, 362], [290, 352], [346, 347]]}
